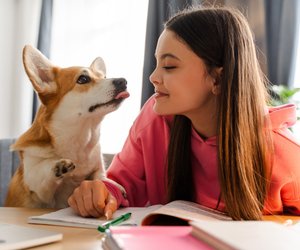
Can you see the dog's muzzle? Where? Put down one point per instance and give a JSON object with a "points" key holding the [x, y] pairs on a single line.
{"points": [[120, 93]]}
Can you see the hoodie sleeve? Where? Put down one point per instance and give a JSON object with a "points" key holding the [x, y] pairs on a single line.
{"points": [[284, 193], [285, 183], [127, 169], [140, 167]]}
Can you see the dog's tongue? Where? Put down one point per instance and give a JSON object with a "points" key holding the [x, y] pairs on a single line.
{"points": [[123, 94]]}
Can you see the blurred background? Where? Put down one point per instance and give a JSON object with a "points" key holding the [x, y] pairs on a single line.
{"points": [[124, 34]]}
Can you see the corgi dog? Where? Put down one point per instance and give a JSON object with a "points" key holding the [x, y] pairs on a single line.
{"points": [[61, 148]]}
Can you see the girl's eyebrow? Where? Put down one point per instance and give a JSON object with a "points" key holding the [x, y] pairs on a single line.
{"points": [[164, 56]]}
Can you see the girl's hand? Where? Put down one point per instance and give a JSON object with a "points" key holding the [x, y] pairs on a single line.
{"points": [[92, 199]]}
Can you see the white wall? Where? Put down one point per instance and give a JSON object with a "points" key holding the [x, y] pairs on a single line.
{"points": [[83, 30], [114, 30], [19, 20]]}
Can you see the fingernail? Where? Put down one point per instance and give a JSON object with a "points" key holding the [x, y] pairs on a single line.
{"points": [[108, 214]]}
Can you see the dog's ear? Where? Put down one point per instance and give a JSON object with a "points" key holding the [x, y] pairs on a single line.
{"points": [[99, 65], [39, 70]]}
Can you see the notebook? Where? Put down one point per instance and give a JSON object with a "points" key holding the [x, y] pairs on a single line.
{"points": [[19, 237], [246, 235], [152, 238], [205, 235]]}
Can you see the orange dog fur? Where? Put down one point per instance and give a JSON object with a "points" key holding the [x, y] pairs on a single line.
{"points": [[61, 148]]}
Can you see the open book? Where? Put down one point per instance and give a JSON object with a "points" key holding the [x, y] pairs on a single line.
{"points": [[174, 213]]}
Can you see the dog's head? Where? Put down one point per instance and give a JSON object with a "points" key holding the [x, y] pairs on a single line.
{"points": [[75, 91]]}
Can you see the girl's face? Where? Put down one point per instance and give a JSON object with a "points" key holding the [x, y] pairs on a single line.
{"points": [[181, 81]]}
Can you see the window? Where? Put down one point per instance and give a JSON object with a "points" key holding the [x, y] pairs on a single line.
{"points": [[296, 82], [297, 65], [115, 30]]}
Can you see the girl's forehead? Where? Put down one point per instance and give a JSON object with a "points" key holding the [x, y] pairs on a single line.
{"points": [[169, 43]]}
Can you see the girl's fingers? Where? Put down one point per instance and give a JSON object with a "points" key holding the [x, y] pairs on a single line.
{"points": [[89, 205], [72, 203], [79, 194], [100, 194], [110, 207], [92, 198]]}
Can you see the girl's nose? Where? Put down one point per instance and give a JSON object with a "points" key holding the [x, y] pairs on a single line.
{"points": [[154, 79]]}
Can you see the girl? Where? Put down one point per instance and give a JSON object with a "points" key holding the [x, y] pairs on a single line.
{"points": [[206, 135]]}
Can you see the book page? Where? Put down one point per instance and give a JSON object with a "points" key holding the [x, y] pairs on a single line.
{"points": [[188, 211], [184, 210]]}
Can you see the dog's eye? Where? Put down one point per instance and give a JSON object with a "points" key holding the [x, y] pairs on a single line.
{"points": [[82, 79]]}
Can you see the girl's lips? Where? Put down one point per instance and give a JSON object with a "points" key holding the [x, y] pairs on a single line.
{"points": [[160, 94]]}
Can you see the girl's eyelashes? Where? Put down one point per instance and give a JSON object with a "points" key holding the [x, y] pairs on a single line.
{"points": [[169, 67]]}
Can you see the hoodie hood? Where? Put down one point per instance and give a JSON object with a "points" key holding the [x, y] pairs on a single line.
{"points": [[283, 116]]}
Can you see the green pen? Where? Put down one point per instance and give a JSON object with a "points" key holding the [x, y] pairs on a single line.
{"points": [[116, 221]]}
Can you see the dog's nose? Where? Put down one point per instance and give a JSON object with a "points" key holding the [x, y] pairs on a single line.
{"points": [[120, 82]]}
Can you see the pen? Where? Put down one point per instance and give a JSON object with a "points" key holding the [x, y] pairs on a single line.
{"points": [[116, 221]]}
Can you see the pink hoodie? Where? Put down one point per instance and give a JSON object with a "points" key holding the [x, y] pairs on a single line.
{"points": [[140, 167]]}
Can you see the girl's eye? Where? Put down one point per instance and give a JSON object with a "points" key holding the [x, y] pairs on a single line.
{"points": [[82, 79], [169, 67]]}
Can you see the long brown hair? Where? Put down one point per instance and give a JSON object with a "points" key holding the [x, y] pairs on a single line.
{"points": [[222, 38]]}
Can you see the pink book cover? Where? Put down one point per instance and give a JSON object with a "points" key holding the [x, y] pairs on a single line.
{"points": [[153, 238]]}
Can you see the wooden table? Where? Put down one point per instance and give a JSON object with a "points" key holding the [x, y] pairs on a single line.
{"points": [[79, 238], [73, 238], [283, 219]]}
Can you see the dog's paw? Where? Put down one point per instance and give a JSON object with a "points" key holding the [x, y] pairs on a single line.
{"points": [[63, 167]]}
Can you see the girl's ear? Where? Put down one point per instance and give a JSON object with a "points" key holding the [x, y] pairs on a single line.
{"points": [[217, 76]]}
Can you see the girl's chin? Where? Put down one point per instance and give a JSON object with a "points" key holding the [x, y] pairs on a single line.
{"points": [[160, 110]]}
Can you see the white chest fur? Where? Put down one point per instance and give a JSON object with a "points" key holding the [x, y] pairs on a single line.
{"points": [[79, 146]]}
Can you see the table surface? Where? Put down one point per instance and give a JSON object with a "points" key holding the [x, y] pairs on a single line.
{"points": [[73, 238], [79, 238]]}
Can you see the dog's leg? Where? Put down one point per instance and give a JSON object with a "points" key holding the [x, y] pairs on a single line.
{"points": [[43, 176]]}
